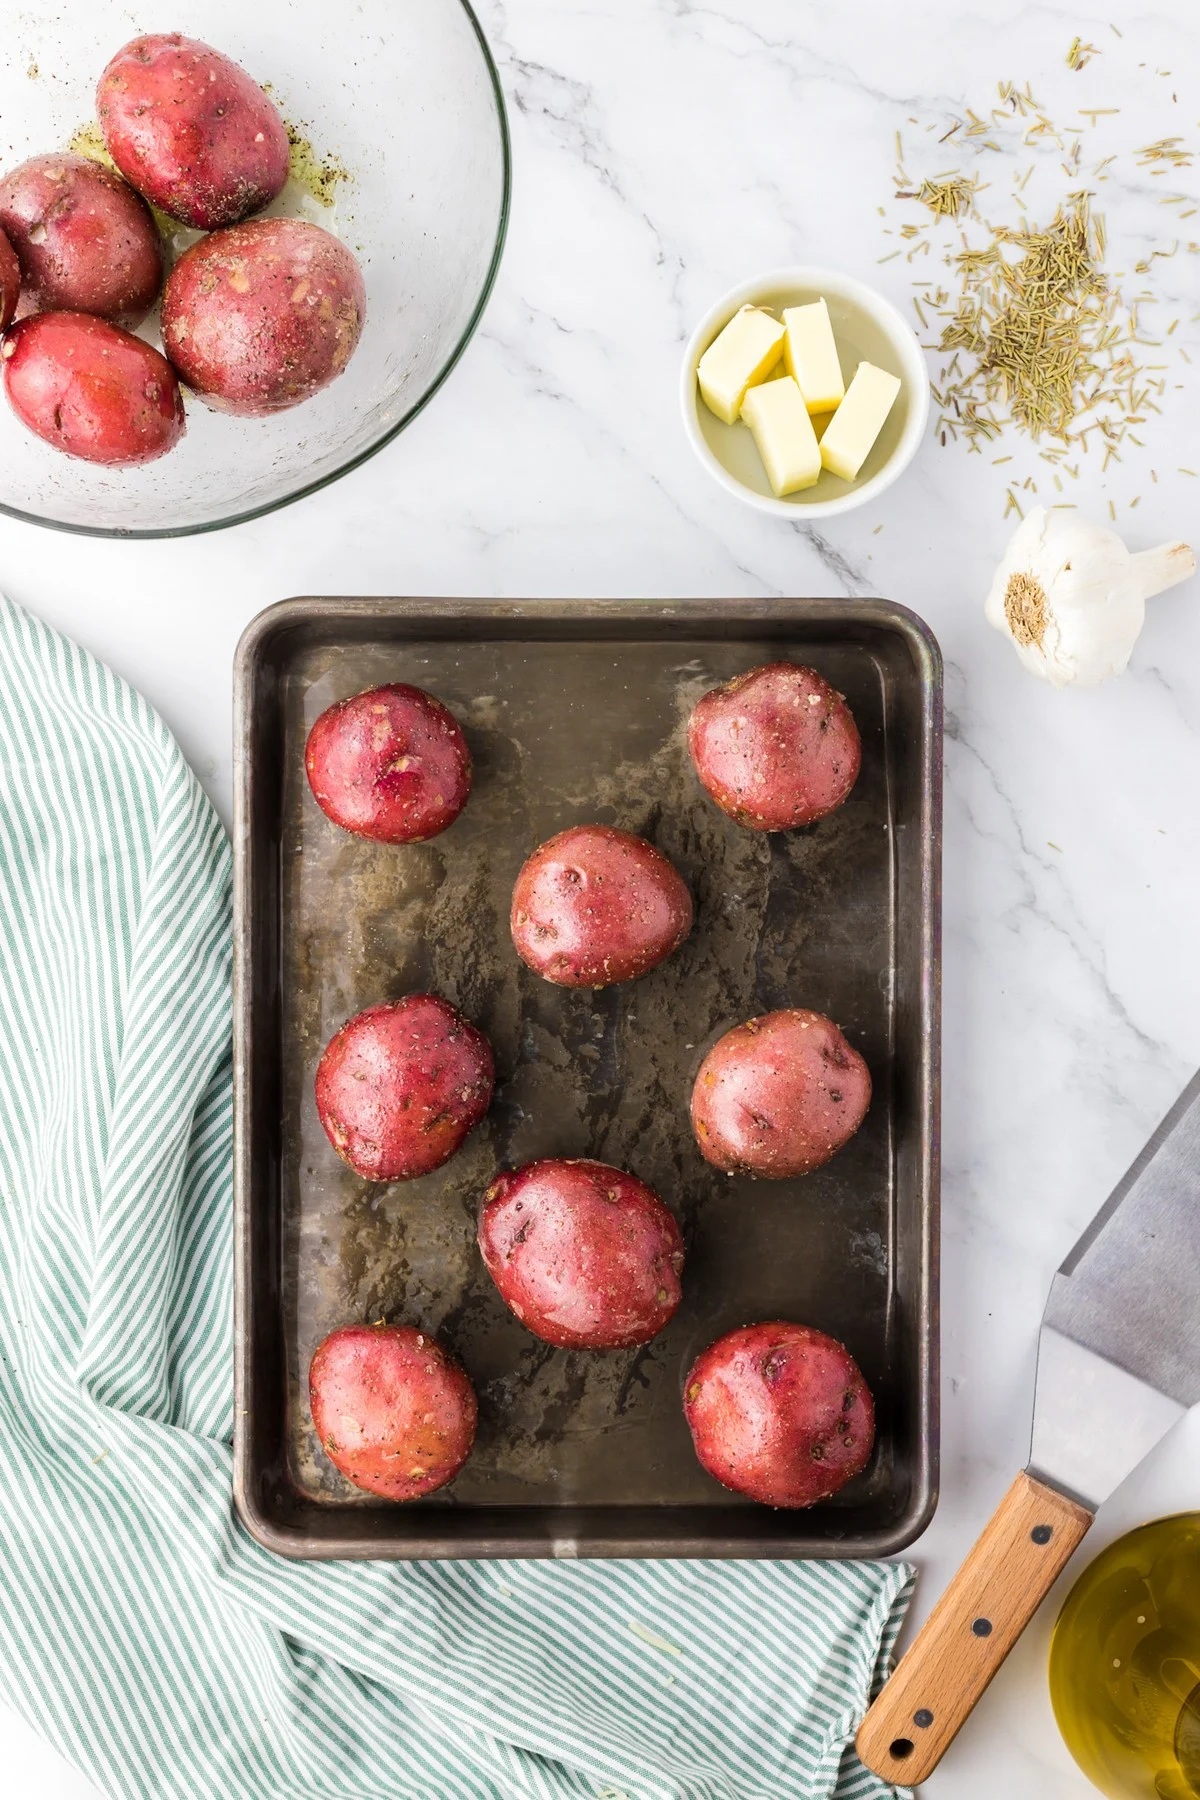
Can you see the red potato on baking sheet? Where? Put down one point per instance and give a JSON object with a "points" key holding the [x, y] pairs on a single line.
{"points": [[262, 316], [586, 1256], [780, 1413], [192, 130], [10, 281], [84, 240], [91, 389], [776, 748], [593, 906], [390, 764], [394, 1411], [779, 1095], [400, 1085]]}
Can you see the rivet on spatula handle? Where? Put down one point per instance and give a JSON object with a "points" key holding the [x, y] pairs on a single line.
{"points": [[970, 1631]]}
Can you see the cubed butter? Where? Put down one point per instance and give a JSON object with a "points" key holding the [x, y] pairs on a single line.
{"points": [[810, 355], [858, 421], [783, 431], [744, 353]]}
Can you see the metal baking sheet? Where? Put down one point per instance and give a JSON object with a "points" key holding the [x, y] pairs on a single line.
{"points": [[576, 711]]}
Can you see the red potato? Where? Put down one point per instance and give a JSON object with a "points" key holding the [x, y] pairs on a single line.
{"points": [[191, 130], [264, 315], [780, 1413], [401, 1085], [10, 281], [779, 1095], [594, 906], [776, 747], [391, 764], [91, 389], [587, 1257], [84, 240], [394, 1411]]}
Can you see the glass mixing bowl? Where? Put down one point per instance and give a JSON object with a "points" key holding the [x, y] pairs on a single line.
{"points": [[400, 148]]}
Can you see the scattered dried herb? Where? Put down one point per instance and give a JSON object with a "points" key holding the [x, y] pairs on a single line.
{"points": [[1166, 151], [1046, 338], [1080, 54], [319, 174], [946, 199], [1034, 330]]}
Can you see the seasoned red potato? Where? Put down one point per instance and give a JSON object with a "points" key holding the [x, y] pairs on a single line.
{"points": [[84, 240], [191, 130], [10, 281], [394, 1411], [401, 1085], [262, 316], [779, 1095], [586, 1256], [390, 764], [594, 906], [776, 747], [780, 1413], [91, 389]]}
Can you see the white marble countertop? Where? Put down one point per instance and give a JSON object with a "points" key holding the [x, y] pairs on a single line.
{"points": [[664, 152]]}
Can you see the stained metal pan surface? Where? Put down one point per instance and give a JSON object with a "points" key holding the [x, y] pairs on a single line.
{"points": [[576, 711]]}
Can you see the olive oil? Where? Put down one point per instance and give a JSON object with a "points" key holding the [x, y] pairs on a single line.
{"points": [[1125, 1665]]}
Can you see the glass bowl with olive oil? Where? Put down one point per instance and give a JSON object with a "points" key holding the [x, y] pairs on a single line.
{"points": [[1125, 1664]]}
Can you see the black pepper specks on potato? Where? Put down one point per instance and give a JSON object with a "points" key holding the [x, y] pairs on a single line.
{"points": [[191, 130], [776, 748], [780, 1412], [593, 906], [585, 1255], [262, 316], [85, 242], [779, 1095]]}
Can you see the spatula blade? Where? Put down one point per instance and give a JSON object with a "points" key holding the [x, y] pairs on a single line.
{"points": [[1119, 1353]]}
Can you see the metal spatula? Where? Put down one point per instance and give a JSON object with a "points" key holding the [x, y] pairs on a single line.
{"points": [[1118, 1365]]}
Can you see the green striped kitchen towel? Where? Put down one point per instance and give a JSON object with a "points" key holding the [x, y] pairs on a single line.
{"points": [[141, 1630]]}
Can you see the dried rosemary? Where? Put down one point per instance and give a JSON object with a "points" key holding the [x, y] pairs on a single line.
{"points": [[1046, 338], [1166, 151], [1080, 54], [1035, 334], [946, 199]]}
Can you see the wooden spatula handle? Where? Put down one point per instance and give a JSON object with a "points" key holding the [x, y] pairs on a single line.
{"points": [[970, 1631]]}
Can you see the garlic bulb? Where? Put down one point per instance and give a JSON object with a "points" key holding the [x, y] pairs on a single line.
{"points": [[1073, 599]]}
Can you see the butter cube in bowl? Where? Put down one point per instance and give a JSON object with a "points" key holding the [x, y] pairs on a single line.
{"points": [[847, 357], [746, 352], [782, 429], [810, 355]]}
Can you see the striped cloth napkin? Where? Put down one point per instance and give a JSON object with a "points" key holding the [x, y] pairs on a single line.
{"points": [[141, 1631]]}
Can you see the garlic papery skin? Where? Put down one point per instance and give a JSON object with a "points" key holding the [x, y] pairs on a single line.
{"points": [[1072, 598]]}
